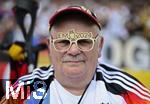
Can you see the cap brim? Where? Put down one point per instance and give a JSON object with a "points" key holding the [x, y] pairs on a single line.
{"points": [[73, 10]]}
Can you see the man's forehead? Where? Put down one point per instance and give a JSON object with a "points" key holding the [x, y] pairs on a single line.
{"points": [[74, 29], [73, 34]]}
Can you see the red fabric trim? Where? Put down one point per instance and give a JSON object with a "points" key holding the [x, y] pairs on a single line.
{"points": [[132, 98]]}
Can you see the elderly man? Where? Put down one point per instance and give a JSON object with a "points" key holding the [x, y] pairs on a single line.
{"points": [[75, 76]]}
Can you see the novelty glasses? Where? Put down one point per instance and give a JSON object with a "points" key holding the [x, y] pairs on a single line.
{"points": [[64, 44]]}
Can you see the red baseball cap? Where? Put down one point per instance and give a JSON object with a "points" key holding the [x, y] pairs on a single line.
{"points": [[74, 9]]}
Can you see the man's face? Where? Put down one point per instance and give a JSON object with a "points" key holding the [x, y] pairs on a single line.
{"points": [[74, 65]]}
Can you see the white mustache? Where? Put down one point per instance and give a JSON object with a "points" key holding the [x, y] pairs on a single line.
{"points": [[72, 58]]}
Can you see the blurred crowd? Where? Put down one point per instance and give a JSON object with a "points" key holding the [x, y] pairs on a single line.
{"points": [[119, 19]]}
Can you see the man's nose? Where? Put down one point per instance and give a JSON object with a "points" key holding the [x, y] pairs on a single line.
{"points": [[73, 50]]}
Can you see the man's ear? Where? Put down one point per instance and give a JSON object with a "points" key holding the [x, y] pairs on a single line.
{"points": [[48, 43], [101, 42]]}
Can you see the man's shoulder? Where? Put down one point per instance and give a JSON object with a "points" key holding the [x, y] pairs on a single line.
{"points": [[115, 72], [119, 82], [44, 74], [115, 75]]}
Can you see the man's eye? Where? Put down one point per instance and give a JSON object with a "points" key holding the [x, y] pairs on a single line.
{"points": [[84, 41], [62, 42]]}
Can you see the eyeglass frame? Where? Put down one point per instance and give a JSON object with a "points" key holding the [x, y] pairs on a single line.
{"points": [[74, 41]]}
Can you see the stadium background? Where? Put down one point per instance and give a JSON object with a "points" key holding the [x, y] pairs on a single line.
{"points": [[125, 23]]}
